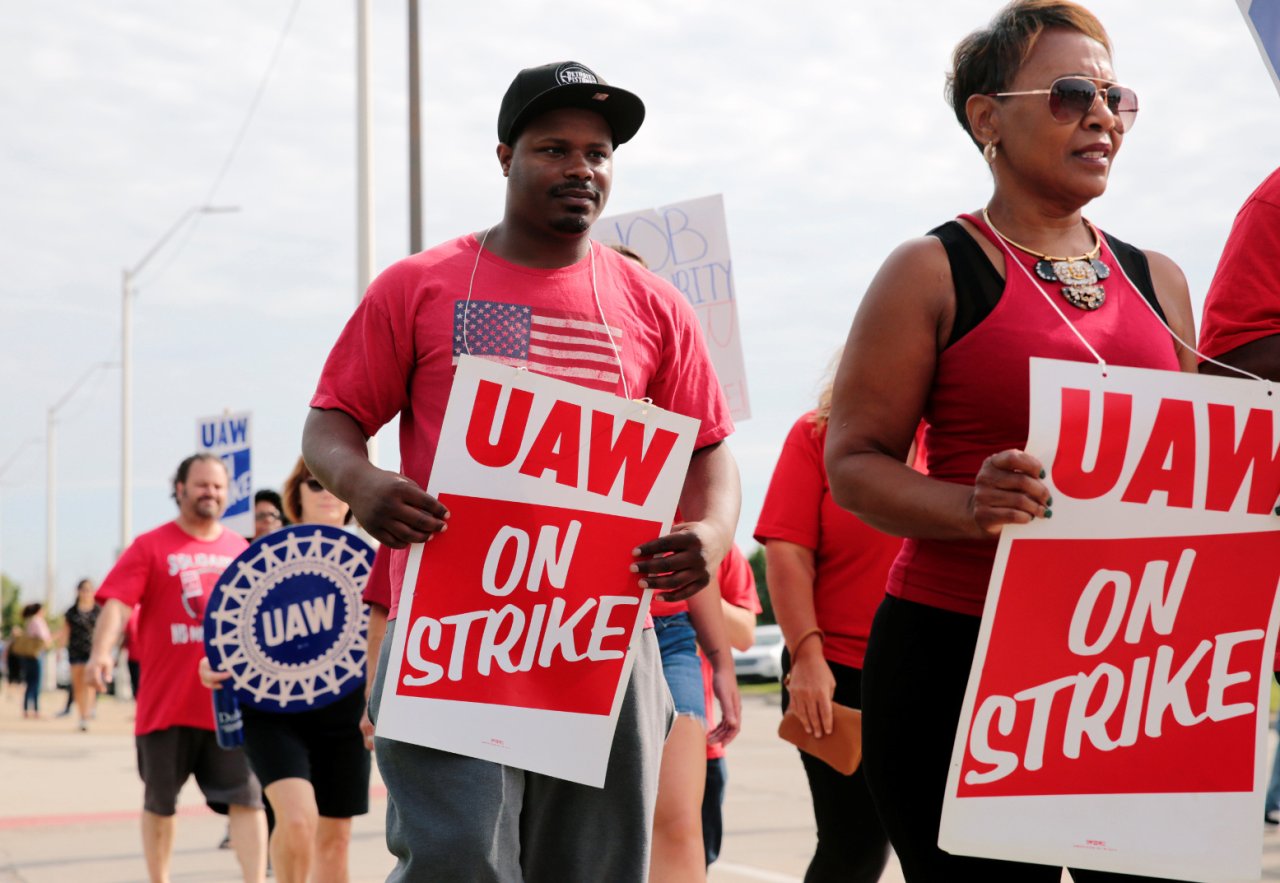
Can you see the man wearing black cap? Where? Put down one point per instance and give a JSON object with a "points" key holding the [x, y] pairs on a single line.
{"points": [[535, 291]]}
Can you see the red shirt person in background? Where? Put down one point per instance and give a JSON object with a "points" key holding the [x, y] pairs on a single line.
{"points": [[740, 605], [167, 574], [827, 573], [1241, 323]]}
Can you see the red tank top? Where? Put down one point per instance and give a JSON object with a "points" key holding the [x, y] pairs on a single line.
{"points": [[980, 399]]}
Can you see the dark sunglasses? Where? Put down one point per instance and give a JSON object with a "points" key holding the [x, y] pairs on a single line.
{"points": [[1070, 98], [314, 485], [271, 515]]}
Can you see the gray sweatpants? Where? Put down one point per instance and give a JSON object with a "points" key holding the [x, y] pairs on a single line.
{"points": [[455, 818]]}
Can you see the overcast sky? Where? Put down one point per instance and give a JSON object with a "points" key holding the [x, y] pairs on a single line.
{"points": [[822, 124]]}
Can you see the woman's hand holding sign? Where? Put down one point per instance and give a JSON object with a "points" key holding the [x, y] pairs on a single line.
{"points": [[1008, 490], [210, 677]]}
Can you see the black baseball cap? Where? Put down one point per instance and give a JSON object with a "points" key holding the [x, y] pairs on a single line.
{"points": [[560, 84]]}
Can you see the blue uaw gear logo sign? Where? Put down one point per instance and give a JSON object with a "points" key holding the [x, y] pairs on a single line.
{"points": [[287, 620]]}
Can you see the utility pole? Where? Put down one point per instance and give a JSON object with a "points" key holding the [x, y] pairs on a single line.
{"points": [[364, 165], [415, 136], [126, 367]]}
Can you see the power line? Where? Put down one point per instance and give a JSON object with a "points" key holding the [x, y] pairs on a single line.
{"points": [[239, 138]]}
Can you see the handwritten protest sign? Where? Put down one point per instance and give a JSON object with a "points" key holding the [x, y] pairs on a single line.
{"points": [[518, 623], [228, 436], [687, 243], [1117, 708], [1263, 19]]}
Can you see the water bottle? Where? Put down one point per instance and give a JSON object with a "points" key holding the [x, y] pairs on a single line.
{"points": [[227, 720]]}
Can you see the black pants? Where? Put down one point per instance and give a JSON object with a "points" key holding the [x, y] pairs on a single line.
{"points": [[913, 684], [852, 844], [712, 807]]}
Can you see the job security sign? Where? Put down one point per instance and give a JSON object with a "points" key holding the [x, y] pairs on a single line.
{"points": [[518, 623], [1117, 707]]}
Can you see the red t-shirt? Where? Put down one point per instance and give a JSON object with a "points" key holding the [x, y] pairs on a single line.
{"points": [[979, 404], [738, 587], [851, 560], [397, 353], [1243, 304], [169, 574]]}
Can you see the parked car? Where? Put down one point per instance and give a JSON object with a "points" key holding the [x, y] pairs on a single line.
{"points": [[763, 659]]}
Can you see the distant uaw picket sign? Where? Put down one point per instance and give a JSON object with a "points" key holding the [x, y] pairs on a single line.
{"points": [[286, 618]]}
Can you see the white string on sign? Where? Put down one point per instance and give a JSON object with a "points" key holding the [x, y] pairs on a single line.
{"points": [[1175, 336], [595, 295], [1053, 303], [1049, 298]]}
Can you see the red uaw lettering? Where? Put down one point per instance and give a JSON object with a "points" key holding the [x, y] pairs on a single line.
{"points": [[626, 455], [557, 445], [1069, 474], [1230, 462], [614, 455], [1168, 462], [515, 418]]}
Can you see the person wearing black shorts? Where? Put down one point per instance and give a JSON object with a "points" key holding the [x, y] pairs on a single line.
{"points": [[313, 764]]}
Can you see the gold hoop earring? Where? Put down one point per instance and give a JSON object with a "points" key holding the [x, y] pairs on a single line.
{"points": [[989, 152]]}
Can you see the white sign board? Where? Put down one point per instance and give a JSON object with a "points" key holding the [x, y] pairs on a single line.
{"points": [[519, 623], [1117, 709], [687, 243], [228, 435]]}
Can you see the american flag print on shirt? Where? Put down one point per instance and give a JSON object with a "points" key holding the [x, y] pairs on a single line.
{"points": [[559, 344]]}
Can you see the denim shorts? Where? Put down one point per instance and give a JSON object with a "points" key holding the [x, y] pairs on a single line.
{"points": [[680, 665]]}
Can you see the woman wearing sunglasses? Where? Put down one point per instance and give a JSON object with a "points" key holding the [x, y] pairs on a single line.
{"points": [[945, 333], [313, 765]]}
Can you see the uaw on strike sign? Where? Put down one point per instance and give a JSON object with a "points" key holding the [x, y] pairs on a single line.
{"points": [[1117, 708], [517, 624]]}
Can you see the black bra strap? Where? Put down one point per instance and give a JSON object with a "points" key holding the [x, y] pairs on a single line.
{"points": [[977, 283], [979, 286], [1135, 264]]}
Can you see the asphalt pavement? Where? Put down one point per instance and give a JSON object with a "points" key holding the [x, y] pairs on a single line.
{"points": [[69, 807]]}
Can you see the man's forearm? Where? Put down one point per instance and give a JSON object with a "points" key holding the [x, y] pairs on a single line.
{"points": [[106, 633], [712, 494], [335, 450]]}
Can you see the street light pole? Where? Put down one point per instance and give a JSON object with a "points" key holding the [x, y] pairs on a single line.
{"points": [[126, 367], [415, 136], [364, 164]]}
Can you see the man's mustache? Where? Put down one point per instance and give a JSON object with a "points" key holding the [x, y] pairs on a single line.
{"points": [[568, 188]]}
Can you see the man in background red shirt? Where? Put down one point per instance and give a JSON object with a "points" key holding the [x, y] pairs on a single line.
{"points": [[167, 573]]}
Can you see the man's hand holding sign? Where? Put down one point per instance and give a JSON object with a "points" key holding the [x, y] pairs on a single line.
{"points": [[519, 616]]}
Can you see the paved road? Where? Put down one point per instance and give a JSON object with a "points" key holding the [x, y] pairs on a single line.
{"points": [[69, 808]]}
